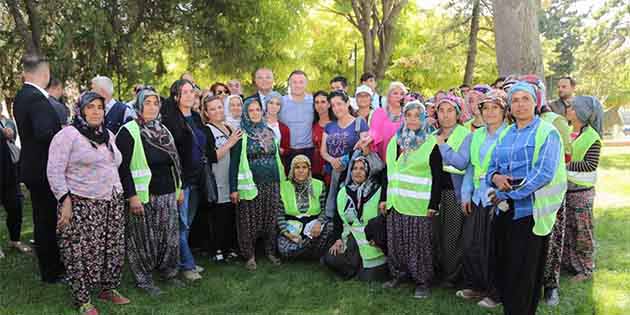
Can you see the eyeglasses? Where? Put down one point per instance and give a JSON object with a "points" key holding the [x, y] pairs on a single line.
{"points": [[219, 92]]}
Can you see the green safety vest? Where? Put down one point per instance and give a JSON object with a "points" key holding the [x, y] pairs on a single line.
{"points": [[140, 171], [371, 256], [246, 187], [287, 192], [480, 168], [580, 145], [548, 199], [455, 141], [551, 118], [409, 179]]}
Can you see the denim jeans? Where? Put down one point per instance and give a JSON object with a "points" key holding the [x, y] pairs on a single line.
{"points": [[187, 212]]}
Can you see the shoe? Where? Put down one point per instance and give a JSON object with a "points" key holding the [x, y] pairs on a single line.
{"points": [[232, 255], [274, 260], [467, 294], [199, 269], [488, 303], [191, 275], [174, 282], [152, 290], [251, 264], [391, 284], [421, 292], [113, 296], [21, 247], [218, 258], [88, 309], [551, 296]]}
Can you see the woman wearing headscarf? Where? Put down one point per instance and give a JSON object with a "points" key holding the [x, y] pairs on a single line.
{"points": [[150, 176], [585, 116], [233, 107], [255, 174], [83, 175], [352, 254], [473, 97], [386, 121], [454, 142], [221, 139], [477, 270], [280, 130], [413, 196], [304, 228]]}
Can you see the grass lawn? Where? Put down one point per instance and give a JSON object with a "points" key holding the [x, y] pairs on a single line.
{"points": [[307, 288]]}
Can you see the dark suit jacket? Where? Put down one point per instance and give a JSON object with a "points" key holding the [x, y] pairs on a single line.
{"points": [[37, 124]]}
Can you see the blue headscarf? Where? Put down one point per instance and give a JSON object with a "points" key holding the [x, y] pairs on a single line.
{"points": [[409, 140], [522, 86], [260, 131], [589, 111]]}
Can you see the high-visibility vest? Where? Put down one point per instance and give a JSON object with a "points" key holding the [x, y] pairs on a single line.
{"points": [[455, 141], [287, 192], [139, 167], [371, 256], [246, 187], [580, 145], [548, 199], [480, 168], [409, 178]]}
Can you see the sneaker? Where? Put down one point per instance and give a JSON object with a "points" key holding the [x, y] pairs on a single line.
{"points": [[467, 294], [152, 290], [191, 275], [488, 303], [391, 284], [113, 296], [218, 258], [251, 264], [421, 293], [232, 255], [88, 309], [199, 269], [274, 260], [551, 296]]}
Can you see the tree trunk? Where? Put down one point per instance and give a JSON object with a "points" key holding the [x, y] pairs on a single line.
{"points": [[31, 44], [517, 37], [472, 44]]}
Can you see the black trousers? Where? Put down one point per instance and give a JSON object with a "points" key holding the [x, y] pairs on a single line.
{"points": [[222, 220], [478, 244], [45, 224], [13, 202], [520, 263]]}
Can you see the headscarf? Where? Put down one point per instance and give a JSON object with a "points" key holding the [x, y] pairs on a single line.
{"points": [[522, 86], [154, 132], [589, 111], [260, 131], [452, 99], [226, 109], [409, 140], [306, 186], [539, 88], [96, 135], [359, 193], [494, 96], [478, 90], [270, 97]]}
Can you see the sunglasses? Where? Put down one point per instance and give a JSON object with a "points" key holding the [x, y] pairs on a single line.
{"points": [[220, 92]]}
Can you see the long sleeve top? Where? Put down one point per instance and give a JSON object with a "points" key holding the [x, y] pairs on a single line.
{"points": [[588, 164], [458, 159], [262, 164], [283, 217], [469, 193], [513, 157], [75, 166], [160, 164]]}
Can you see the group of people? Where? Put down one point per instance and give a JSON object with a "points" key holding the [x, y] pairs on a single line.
{"points": [[487, 190]]}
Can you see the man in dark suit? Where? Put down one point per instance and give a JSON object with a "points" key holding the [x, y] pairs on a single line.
{"points": [[37, 124], [263, 79]]}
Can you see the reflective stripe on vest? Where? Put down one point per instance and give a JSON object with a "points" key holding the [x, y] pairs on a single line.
{"points": [[247, 189], [138, 165], [455, 140], [481, 168], [371, 256], [549, 198], [580, 145], [409, 178], [287, 192]]}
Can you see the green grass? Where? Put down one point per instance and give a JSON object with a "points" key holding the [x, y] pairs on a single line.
{"points": [[307, 288]]}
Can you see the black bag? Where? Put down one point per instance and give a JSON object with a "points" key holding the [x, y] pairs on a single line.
{"points": [[210, 183]]}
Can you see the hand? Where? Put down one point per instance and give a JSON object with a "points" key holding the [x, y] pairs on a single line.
{"points": [[493, 198], [502, 182], [466, 208], [382, 207], [432, 213], [316, 230], [180, 198], [8, 133], [135, 206], [294, 238], [336, 164], [66, 213], [234, 137], [234, 197], [336, 248]]}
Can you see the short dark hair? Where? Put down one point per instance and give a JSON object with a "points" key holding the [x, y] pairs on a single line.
{"points": [[216, 85], [54, 82], [294, 72], [366, 76], [571, 80], [331, 114], [339, 78], [344, 96], [31, 63]]}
